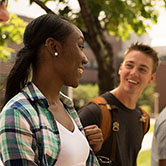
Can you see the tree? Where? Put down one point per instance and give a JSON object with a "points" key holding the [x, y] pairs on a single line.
{"points": [[12, 32], [102, 17], [98, 18]]}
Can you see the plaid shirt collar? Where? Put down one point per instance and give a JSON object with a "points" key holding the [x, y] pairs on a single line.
{"points": [[35, 95]]}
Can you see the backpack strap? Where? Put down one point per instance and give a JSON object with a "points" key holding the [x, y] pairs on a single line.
{"points": [[106, 120], [145, 118]]}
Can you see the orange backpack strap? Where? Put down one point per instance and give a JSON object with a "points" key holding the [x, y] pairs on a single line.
{"points": [[145, 119], [106, 119]]}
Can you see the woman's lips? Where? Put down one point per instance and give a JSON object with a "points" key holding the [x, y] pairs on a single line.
{"points": [[80, 70]]}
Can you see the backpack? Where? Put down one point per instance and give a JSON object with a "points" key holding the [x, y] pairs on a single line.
{"points": [[106, 119]]}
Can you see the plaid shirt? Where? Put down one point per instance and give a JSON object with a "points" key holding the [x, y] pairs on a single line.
{"points": [[28, 132]]}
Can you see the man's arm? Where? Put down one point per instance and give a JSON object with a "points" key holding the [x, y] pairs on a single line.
{"points": [[90, 114]]}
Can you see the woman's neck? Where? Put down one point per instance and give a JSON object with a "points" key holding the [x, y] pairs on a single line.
{"points": [[49, 89]]}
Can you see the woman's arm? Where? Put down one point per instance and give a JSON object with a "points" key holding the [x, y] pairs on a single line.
{"points": [[17, 144]]}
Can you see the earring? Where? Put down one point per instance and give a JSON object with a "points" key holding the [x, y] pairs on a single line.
{"points": [[56, 54]]}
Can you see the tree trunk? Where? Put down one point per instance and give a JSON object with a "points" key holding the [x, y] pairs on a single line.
{"points": [[101, 48]]}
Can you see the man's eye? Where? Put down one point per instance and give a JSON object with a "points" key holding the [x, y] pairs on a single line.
{"points": [[129, 65], [143, 70]]}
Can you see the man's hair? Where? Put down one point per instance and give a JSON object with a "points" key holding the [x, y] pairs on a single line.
{"points": [[147, 50]]}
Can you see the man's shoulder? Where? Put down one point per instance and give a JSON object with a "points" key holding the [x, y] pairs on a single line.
{"points": [[106, 95], [90, 107], [90, 114]]}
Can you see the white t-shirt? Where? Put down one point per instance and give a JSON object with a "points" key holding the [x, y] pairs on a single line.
{"points": [[74, 148], [1, 164], [159, 139]]}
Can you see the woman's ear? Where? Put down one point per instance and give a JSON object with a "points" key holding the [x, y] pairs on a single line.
{"points": [[53, 46]]}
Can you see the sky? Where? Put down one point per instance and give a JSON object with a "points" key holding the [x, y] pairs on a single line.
{"points": [[22, 7]]}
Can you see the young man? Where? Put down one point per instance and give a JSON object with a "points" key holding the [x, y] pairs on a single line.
{"points": [[158, 153], [136, 71], [4, 15]]}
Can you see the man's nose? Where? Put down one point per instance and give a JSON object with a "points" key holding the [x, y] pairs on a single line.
{"points": [[134, 71]]}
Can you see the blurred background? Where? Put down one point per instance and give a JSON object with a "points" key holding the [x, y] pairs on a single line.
{"points": [[109, 28]]}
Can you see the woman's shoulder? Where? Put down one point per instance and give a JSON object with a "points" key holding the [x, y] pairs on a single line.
{"points": [[20, 106]]}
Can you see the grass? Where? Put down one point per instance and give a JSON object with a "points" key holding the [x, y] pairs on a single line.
{"points": [[151, 128], [144, 157]]}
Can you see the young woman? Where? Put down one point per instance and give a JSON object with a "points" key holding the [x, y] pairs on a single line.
{"points": [[38, 124]]}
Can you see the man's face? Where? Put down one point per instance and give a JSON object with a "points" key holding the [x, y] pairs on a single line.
{"points": [[4, 15], [136, 72]]}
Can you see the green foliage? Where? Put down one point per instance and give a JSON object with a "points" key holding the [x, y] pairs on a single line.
{"points": [[118, 17], [147, 97], [10, 32], [84, 93], [5, 53], [122, 17]]}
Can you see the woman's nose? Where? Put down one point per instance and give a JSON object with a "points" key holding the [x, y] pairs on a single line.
{"points": [[85, 59]]}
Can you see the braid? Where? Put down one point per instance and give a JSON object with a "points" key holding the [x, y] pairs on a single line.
{"points": [[19, 74]]}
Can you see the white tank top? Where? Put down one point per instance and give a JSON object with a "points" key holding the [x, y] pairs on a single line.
{"points": [[74, 148]]}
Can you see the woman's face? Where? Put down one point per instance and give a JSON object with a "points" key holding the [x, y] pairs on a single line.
{"points": [[71, 59]]}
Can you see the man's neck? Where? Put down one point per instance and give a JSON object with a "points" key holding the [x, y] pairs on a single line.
{"points": [[129, 100]]}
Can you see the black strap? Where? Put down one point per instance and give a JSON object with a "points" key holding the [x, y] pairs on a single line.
{"points": [[115, 129]]}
